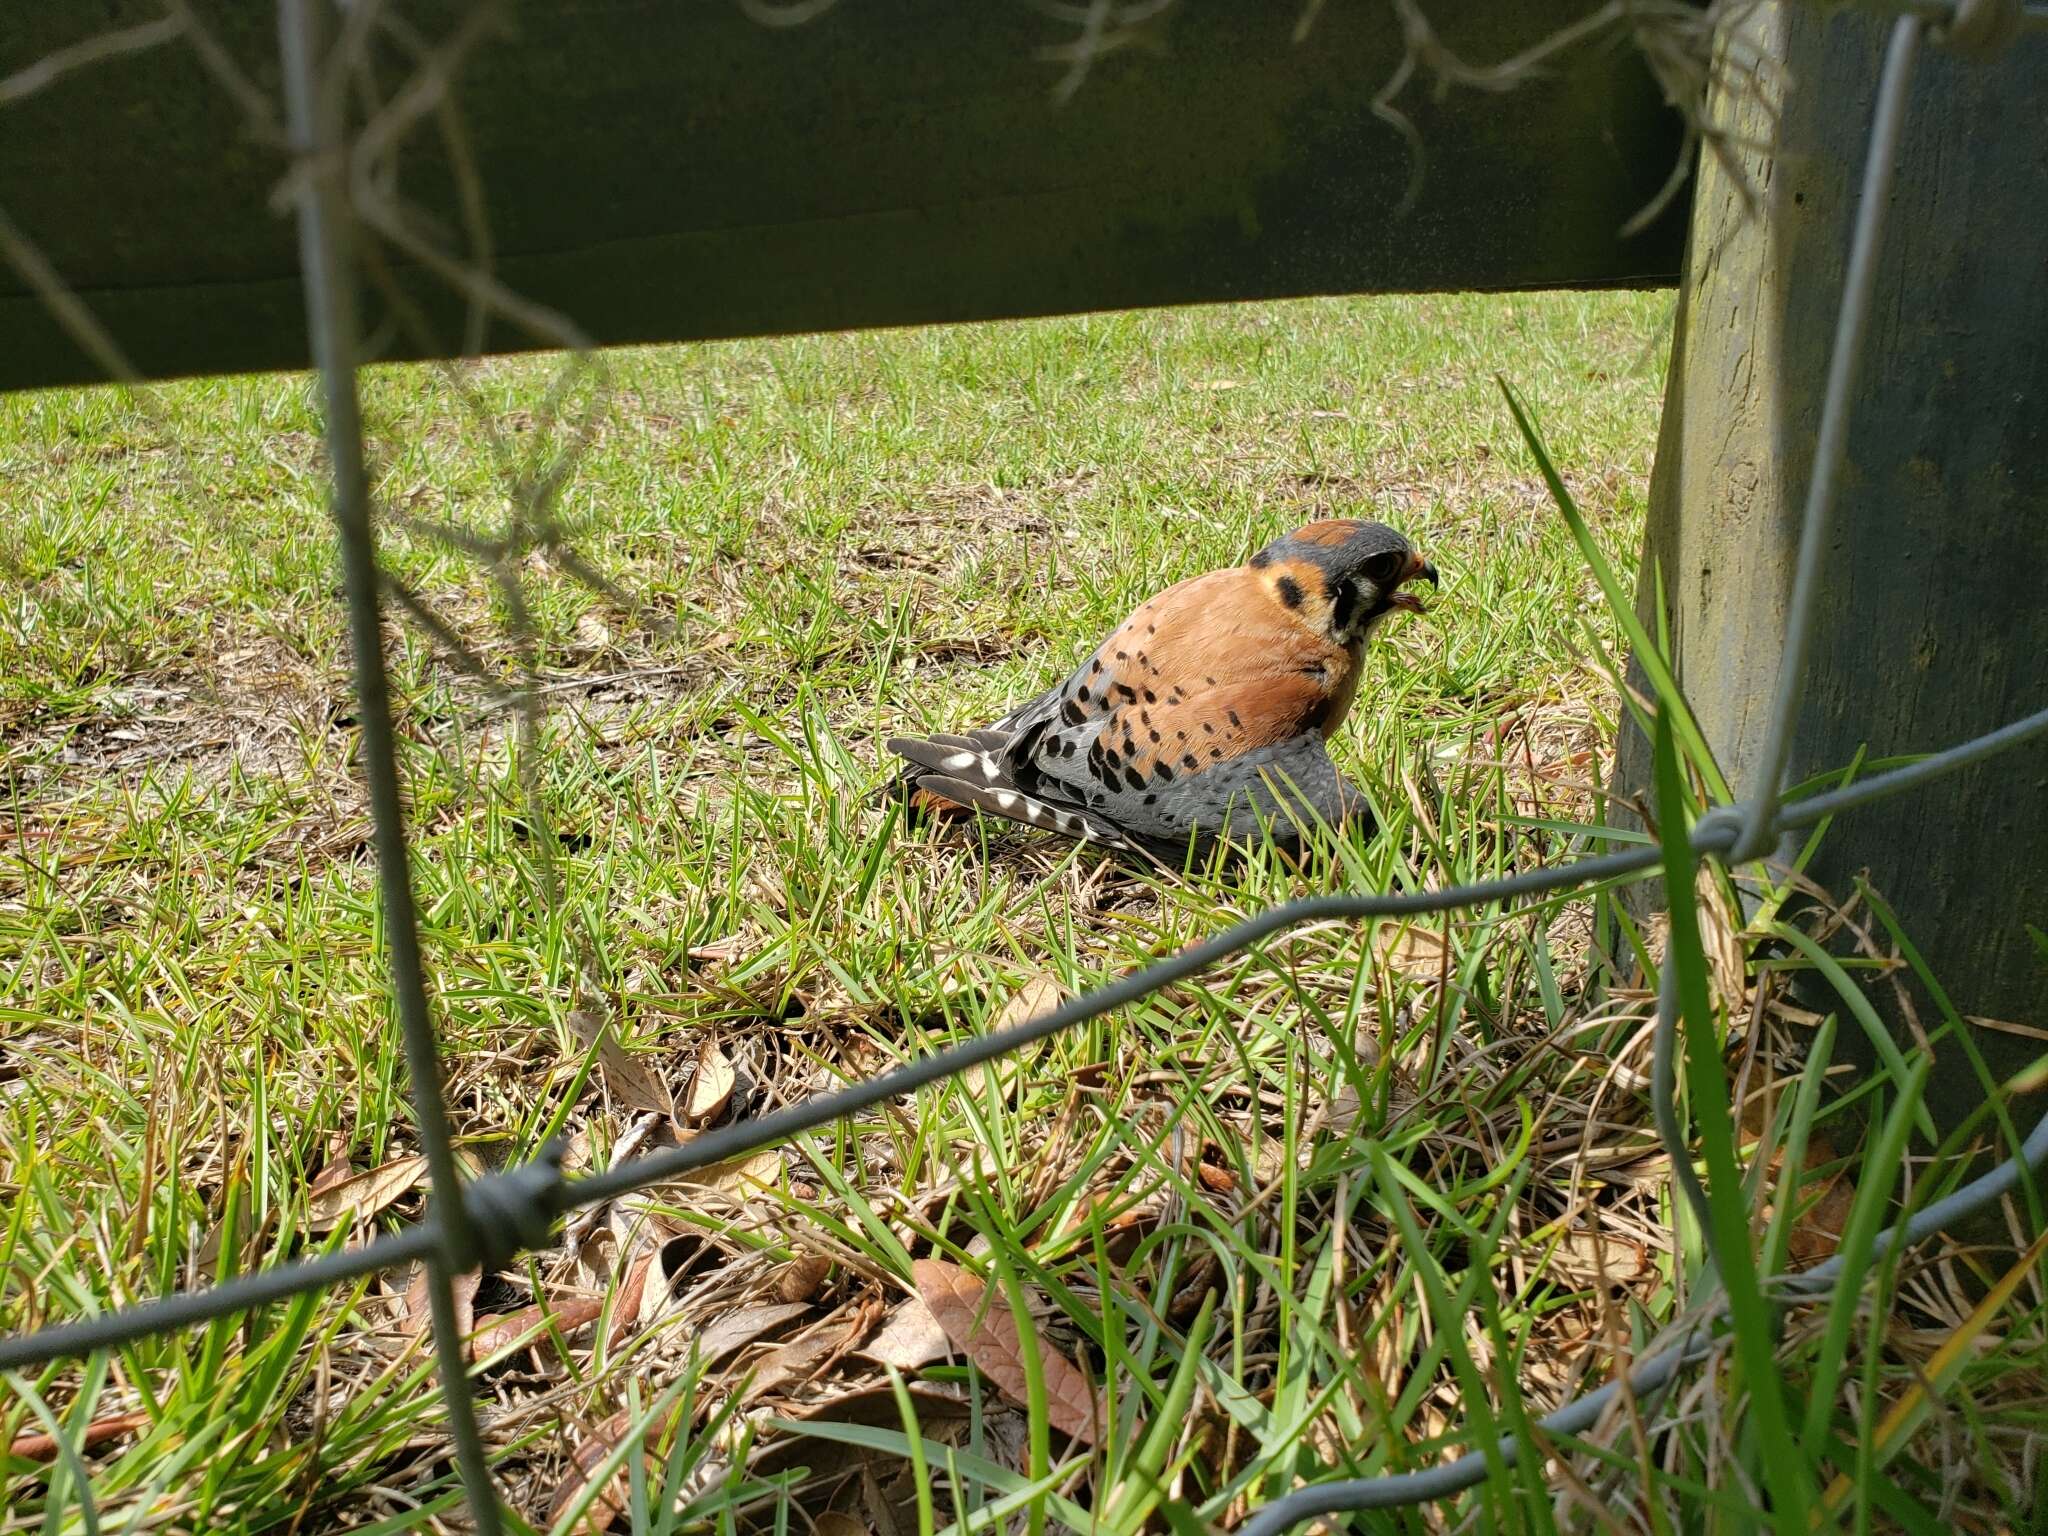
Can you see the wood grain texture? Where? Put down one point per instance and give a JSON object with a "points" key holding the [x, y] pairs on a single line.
{"points": [[665, 171], [1931, 627]]}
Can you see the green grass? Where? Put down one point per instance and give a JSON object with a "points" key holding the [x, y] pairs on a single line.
{"points": [[1395, 1187]]}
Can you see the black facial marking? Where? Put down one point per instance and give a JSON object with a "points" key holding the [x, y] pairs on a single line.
{"points": [[1289, 590], [1344, 606], [1314, 718]]}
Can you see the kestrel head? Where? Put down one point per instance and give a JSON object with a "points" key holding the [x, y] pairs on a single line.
{"points": [[1343, 575]]}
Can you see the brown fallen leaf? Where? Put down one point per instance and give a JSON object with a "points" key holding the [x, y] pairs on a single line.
{"points": [[419, 1307], [742, 1326], [97, 1433], [801, 1359], [911, 1337], [334, 1170], [632, 1291], [936, 1402], [362, 1195], [1412, 951], [800, 1278], [529, 1325], [625, 1078], [719, 952], [710, 1087], [1039, 995], [985, 1331], [738, 1176], [609, 1503]]}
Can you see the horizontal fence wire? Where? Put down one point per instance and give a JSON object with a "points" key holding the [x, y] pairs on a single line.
{"points": [[490, 1220]]}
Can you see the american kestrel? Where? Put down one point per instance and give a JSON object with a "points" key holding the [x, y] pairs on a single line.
{"points": [[1204, 715]]}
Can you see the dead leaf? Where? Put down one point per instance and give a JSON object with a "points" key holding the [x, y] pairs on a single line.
{"points": [[910, 1338], [419, 1307], [1721, 937], [743, 1326], [608, 1504], [765, 886], [721, 951], [741, 1176], [1039, 995], [794, 1363], [801, 1277], [576, 1156], [362, 1195], [891, 1510], [710, 1087], [632, 1292], [606, 1507], [1412, 951], [1593, 1253], [97, 1433], [625, 1078], [529, 1325], [985, 1331], [334, 1170]]}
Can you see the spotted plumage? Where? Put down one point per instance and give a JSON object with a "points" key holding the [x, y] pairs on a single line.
{"points": [[1204, 715]]}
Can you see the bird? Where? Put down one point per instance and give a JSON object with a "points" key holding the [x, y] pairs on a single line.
{"points": [[1204, 716]]}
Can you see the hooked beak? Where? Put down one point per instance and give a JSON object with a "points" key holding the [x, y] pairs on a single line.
{"points": [[1419, 569]]}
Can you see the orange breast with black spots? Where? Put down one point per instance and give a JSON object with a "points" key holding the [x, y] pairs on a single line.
{"points": [[1207, 671]]}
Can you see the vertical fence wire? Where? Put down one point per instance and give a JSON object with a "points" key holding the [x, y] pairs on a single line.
{"points": [[314, 117], [488, 1220]]}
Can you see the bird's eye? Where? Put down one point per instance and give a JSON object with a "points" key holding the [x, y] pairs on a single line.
{"points": [[1384, 571]]}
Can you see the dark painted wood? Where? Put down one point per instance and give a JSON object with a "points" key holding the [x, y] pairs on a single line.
{"points": [[670, 169], [1932, 625]]}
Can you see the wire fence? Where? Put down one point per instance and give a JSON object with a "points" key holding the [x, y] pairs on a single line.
{"points": [[489, 1220]]}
